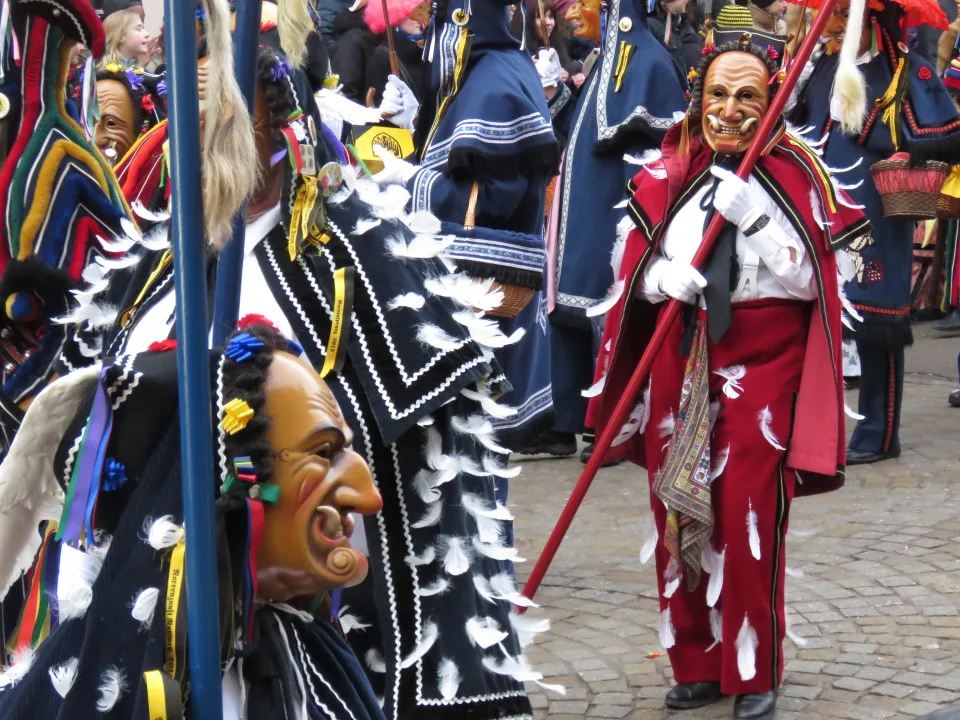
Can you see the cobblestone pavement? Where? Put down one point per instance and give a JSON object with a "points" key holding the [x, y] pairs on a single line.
{"points": [[878, 601]]}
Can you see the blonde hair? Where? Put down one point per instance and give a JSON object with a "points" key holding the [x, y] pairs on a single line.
{"points": [[115, 27]]}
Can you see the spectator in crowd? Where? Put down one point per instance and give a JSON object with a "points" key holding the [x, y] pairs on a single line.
{"points": [[126, 38], [354, 47], [327, 12], [768, 15], [671, 26], [409, 18], [557, 31]]}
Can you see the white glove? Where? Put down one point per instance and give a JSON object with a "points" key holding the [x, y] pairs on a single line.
{"points": [[399, 104], [736, 200], [675, 279], [395, 171], [548, 67]]}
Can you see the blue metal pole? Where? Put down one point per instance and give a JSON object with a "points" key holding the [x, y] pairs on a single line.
{"points": [[193, 362], [226, 305]]}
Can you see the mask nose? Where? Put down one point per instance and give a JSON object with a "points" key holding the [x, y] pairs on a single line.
{"points": [[730, 112], [354, 483]]}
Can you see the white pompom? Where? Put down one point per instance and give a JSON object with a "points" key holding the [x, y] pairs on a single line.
{"points": [[64, 676], [162, 533], [145, 606], [112, 684]]}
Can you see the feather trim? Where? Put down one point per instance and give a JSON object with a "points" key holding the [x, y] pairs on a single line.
{"points": [[721, 464], [365, 225], [502, 587], [374, 661], [448, 679], [456, 558], [438, 587], [671, 587], [350, 623], [469, 292], [713, 562], [733, 375], [424, 486], [421, 247], [423, 222], [485, 632], [497, 551], [479, 427], [766, 427], [636, 423], [113, 683], [427, 639], [141, 211], [490, 406], [716, 628], [428, 556], [162, 533], [431, 517], [649, 156], [652, 535], [752, 531], [528, 627], [63, 676], [410, 300], [667, 637], [794, 638], [436, 338], [607, 304], [491, 466], [18, 669], [519, 669], [144, 607], [851, 413], [747, 650], [667, 425], [595, 389], [487, 332]]}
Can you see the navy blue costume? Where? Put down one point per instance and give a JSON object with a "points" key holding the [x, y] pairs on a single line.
{"points": [[615, 113], [928, 127]]}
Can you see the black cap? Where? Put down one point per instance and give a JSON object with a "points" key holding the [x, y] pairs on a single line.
{"points": [[112, 6]]}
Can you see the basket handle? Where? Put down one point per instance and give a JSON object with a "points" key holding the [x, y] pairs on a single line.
{"points": [[470, 219]]}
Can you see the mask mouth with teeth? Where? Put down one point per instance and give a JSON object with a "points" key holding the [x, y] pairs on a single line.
{"points": [[733, 97]]}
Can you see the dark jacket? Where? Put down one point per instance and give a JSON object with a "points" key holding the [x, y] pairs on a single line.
{"points": [[413, 70], [327, 10], [685, 42], [355, 46]]}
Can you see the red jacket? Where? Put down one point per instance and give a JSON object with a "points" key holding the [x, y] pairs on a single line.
{"points": [[796, 180]]}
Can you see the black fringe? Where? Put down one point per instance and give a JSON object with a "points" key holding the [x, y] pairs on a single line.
{"points": [[629, 137], [526, 434], [469, 163], [502, 274], [945, 148], [881, 330]]}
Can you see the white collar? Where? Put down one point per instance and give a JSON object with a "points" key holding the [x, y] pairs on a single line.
{"points": [[258, 229]]}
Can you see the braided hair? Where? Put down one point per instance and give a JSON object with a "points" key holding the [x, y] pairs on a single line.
{"points": [[275, 84], [743, 45]]}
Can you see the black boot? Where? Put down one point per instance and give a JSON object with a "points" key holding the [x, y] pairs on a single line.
{"points": [[587, 453], [551, 443], [949, 326], [866, 457], [954, 399], [755, 706], [686, 696]]}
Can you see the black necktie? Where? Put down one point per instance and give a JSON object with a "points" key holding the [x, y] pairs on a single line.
{"points": [[721, 271]]}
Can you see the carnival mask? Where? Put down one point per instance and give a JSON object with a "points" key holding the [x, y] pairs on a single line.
{"points": [[736, 94], [306, 533], [116, 131], [585, 14]]}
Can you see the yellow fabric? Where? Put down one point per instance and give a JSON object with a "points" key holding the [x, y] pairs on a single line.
{"points": [[890, 104], [156, 698], [336, 324], [171, 608]]}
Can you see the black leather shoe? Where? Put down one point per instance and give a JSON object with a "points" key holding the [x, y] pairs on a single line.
{"points": [[865, 457], [551, 443], [587, 453], [954, 399], [949, 326], [686, 696], [755, 706]]}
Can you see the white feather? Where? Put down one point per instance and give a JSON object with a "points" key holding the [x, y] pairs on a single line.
{"points": [[485, 632], [842, 199], [427, 639], [483, 588], [667, 637], [456, 559], [666, 425], [423, 222], [671, 587], [408, 300], [423, 484], [144, 213], [425, 421], [438, 587], [648, 157], [93, 274], [851, 413], [817, 209], [117, 245], [130, 229], [64, 676], [431, 517], [845, 301], [422, 246], [112, 684], [162, 533], [73, 599], [650, 542], [747, 650], [716, 628], [766, 427], [733, 375], [350, 623], [605, 305], [428, 556], [479, 427], [436, 338], [595, 389], [622, 204], [497, 551], [504, 588], [487, 332], [144, 607], [528, 627], [519, 669], [492, 467], [477, 506], [448, 679], [157, 239], [713, 562], [721, 464], [794, 638], [636, 423], [752, 531], [466, 291], [117, 263], [18, 669], [374, 661], [490, 406], [365, 225]]}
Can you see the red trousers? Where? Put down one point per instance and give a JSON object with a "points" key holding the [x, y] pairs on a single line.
{"points": [[767, 337]]}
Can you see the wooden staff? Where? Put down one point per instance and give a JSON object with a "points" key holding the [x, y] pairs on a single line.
{"points": [[670, 313], [394, 65]]}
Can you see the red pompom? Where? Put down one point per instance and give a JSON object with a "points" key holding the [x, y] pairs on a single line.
{"points": [[254, 319], [924, 73], [147, 103], [163, 345], [772, 52], [708, 48]]}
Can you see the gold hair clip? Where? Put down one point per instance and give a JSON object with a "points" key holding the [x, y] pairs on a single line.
{"points": [[236, 415]]}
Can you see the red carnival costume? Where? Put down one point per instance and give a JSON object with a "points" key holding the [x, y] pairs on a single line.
{"points": [[772, 411]]}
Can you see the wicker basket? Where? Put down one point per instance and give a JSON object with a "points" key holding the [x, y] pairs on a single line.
{"points": [[909, 192], [515, 297]]}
